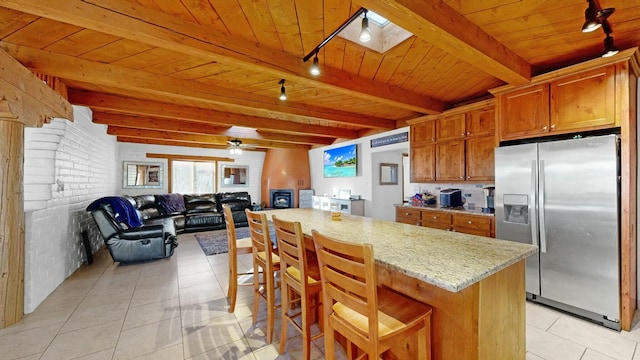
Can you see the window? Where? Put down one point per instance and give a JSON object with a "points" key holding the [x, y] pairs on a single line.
{"points": [[193, 177]]}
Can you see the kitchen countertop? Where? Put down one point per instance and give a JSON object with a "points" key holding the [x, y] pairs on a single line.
{"points": [[477, 210], [448, 260]]}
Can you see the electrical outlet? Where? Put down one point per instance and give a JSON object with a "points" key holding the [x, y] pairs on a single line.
{"points": [[467, 195]]}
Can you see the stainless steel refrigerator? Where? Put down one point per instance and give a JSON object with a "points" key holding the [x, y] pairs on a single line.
{"points": [[563, 196]]}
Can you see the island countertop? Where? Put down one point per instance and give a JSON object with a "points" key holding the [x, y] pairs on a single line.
{"points": [[449, 260]]}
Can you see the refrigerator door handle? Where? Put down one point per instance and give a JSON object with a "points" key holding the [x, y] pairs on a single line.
{"points": [[533, 203], [543, 237]]}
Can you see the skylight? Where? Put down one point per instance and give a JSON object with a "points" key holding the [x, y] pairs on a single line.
{"points": [[376, 19], [385, 35]]}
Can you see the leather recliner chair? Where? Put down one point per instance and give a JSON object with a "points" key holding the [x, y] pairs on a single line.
{"points": [[138, 243]]}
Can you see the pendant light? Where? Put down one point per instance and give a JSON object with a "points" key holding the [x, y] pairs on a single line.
{"points": [[365, 33], [283, 94]]}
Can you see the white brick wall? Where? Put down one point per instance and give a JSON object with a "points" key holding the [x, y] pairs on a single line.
{"points": [[67, 165]]}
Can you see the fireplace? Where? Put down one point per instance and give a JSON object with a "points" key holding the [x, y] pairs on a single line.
{"points": [[281, 198]]}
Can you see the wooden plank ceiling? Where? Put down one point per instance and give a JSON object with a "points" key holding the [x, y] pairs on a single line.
{"points": [[201, 72]]}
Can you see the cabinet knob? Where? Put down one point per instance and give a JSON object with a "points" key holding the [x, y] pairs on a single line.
{"points": [[406, 214], [544, 127], [435, 217], [553, 126], [461, 177], [469, 222], [468, 133], [462, 134]]}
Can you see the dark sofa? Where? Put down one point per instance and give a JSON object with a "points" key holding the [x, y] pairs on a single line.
{"points": [[193, 212]]}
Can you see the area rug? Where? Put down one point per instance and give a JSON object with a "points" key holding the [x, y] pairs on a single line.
{"points": [[215, 242]]}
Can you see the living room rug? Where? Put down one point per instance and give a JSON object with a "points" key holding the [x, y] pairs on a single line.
{"points": [[216, 242]]}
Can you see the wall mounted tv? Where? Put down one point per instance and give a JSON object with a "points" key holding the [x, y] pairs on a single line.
{"points": [[340, 162]]}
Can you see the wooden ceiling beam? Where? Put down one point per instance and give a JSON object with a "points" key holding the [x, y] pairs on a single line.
{"points": [[169, 142], [68, 67], [440, 25], [25, 98], [190, 127], [194, 138], [133, 21], [132, 106]]}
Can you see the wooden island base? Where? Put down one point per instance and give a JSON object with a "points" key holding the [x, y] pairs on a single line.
{"points": [[483, 321]]}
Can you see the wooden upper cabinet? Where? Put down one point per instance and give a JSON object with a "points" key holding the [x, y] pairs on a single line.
{"points": [[584, 101], [423, 133], [524, 112], [422, 163], [450, 160], [480, 160], [481, 122], [451, 127], [580, 102]]}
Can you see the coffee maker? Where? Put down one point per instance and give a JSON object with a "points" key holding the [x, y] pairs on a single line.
{"points": [[488, 199]]}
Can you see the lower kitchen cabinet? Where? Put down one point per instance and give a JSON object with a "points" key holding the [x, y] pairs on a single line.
{"points": [[472, 224], [436, 219], [407, 215], [447, 220]]}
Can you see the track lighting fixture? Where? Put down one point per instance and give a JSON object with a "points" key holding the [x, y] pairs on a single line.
{"points": [[283, 94], [595, 17], [365, 33], [315, 68]]}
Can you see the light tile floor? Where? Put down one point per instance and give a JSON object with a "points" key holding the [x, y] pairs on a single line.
{"points": [[176, 309]]}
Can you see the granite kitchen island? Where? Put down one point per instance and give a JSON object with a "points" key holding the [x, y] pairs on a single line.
{"points": [[475, 284]]}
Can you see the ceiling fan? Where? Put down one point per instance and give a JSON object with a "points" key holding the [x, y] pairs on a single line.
{"points": [[236, 146]]}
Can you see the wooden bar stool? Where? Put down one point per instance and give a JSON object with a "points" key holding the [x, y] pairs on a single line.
{"points": [[297, 275], [265, 259], [372, 318], [236, 247]]}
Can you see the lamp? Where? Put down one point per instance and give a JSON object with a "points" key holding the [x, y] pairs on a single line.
{"points": [[234, 152], [595, 17], [315, 69], [591, 21], [365, 33], [283, 94]]}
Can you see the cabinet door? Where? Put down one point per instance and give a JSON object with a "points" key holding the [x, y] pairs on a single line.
{"points": [[436, 219], [480, 158], [407, 215], [423, 133], [524, 112], [584, 101], [472, 224], [450, 127], [481, 123], [422, 163], [450, 160]]}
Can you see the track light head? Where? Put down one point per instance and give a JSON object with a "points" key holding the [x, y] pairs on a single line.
{"points": [[591, 21], [609, 47], [283, 93], [365, 33], [315, 68]]}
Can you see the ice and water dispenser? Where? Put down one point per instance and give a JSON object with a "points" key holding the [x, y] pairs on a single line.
{"points": [[516, 208]]}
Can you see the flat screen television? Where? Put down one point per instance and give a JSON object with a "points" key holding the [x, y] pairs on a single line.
{"points": [[340, 162]]}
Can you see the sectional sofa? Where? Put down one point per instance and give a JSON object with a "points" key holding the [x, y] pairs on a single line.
{"points": [[144, 227], [193, 212]]}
